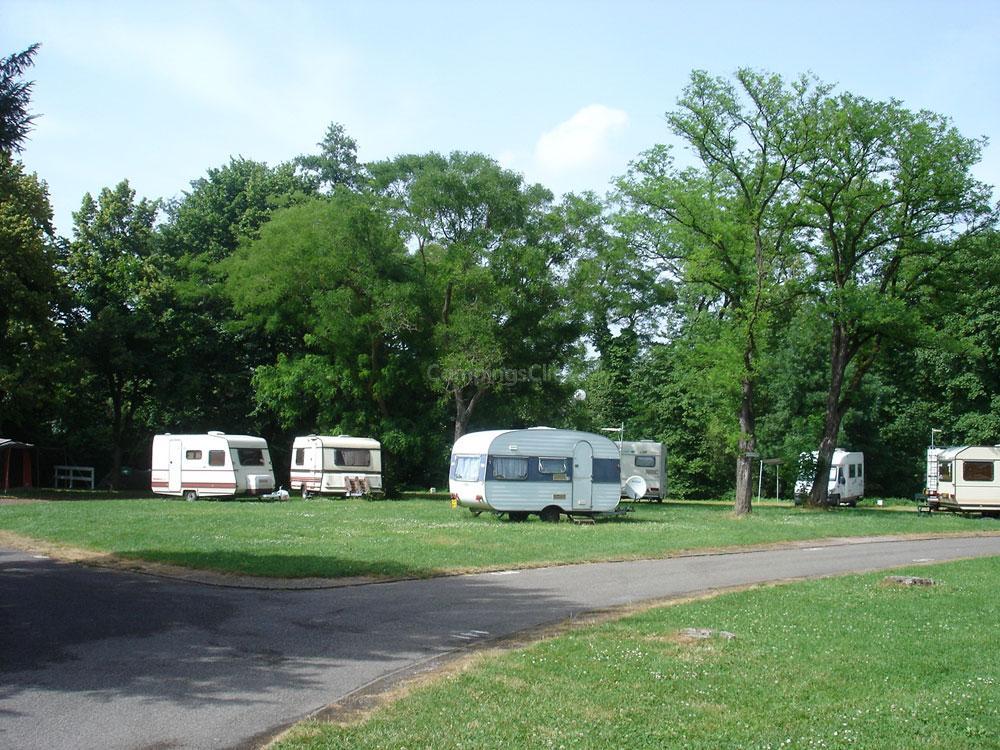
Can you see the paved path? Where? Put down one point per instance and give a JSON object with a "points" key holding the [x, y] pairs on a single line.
{"points": [[93, 658]]}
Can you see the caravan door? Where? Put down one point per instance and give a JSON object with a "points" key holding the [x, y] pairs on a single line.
{"points": [[174, 455], [583, 475]]}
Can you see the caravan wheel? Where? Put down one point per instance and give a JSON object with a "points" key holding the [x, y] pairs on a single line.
{"points": [[550, 514], [305, 492], [190, 495]]}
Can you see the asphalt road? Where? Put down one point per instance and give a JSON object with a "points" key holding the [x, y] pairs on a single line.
{"points": [[93, 658]]}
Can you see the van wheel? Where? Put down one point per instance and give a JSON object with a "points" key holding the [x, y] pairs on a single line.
{"points": [[517, 516], [190, 495], [550, 514]]}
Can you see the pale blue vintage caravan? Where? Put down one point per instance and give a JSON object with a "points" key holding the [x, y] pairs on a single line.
{"points": [[538, 470]]}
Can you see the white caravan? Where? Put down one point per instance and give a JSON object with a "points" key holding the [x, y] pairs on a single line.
{"points": [[968, 479], [647, 459], [336, 465], [847, 476], [210, 465], [537, 470]]}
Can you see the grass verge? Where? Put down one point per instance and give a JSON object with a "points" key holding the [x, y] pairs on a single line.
{"points": [[421, 538], [836, 663]]}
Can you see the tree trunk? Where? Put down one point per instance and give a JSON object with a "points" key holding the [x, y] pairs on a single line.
{"points": [[839, 359], [747, 446], [464, 409]]}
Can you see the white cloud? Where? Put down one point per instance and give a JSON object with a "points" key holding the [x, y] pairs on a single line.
{"points": [[580, 141]]}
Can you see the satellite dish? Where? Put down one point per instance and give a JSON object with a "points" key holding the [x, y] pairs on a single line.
{"points": [[580, 395], [635, 487]]}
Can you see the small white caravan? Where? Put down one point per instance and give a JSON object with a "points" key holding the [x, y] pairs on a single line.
{"points": [[336, 465], [968, 479], [210, 465], [847, 476], [647, 459], [537, 470]]}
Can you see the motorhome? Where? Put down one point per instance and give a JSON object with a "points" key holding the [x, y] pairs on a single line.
{"points": [[647, 459], [846, 484], [211, 465], [968, 479], [539, 470], [336, 465]]}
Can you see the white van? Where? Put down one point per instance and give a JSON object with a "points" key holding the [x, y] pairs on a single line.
{"points": [[336, 465], [847, 477], [647, 459], [211, 465]]}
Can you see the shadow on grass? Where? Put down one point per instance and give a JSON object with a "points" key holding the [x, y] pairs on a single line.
{"points": [[280, 566]]}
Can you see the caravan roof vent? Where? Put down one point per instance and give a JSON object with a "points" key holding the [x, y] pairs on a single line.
{"points": [[216, 432]]}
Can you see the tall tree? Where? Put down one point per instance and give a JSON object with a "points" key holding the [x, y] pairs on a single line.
{"points": [[115, 327], [887, 194], [487, 260], [15, 95], [333, 280], [726, 228], [227, 206], [620, 297], [30, 346]]}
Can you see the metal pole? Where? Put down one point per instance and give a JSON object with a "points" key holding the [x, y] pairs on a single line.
{"points": [[760, 479]]}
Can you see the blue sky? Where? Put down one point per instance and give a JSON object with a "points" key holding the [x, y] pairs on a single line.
{"points": [[566, 93]]}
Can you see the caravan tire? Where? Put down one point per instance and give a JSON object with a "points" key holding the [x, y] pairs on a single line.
{"points": [[190, 495], [550, 514]]}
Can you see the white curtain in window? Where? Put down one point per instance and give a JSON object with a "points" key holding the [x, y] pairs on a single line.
{"points": [[467, 468], [510, 467]]}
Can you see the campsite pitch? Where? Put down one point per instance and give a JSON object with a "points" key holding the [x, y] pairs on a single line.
{"points": [[423, 538]]}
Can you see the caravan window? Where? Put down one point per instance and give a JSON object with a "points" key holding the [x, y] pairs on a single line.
{"points": [[552, 466], [851, 469], [300, 456], [944, 472], [645, 462], [466, 468], [216, 458], [510, 467], [352, 457], [192, 455], [977, 471], [250, 456]]}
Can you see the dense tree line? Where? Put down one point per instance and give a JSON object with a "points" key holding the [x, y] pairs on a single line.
{"points": [[821, 271]]}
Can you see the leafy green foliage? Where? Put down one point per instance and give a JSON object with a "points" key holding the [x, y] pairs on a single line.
{"points": [[30, 347], [15, 95], [115, 329]]}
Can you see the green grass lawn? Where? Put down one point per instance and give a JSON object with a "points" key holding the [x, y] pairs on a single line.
{"points": [[425, 537], [835, 663]]}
